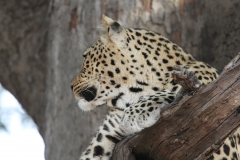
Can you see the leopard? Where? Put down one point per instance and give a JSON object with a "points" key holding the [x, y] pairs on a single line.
{"points": [[130, 71]]}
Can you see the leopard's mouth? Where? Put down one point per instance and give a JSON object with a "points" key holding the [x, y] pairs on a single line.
{"points": [[89, 105], [85, 105], [91, 97]]}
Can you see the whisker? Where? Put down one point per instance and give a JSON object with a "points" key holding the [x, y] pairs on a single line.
{"points": [[73, 39], [84, 40], [89, 91], [90, 112], [100, 27]]}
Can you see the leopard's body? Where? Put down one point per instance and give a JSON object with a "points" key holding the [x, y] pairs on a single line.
{"points": [[130, 70]]}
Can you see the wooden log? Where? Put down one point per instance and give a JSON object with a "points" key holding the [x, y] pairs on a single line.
{"points": [[191, 128]]}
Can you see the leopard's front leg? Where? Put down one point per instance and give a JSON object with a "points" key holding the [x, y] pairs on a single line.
{"points": [[108, 135]]}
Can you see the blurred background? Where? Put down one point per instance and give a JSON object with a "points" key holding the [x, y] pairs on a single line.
{"points": [[19, 136], [41, 46]]}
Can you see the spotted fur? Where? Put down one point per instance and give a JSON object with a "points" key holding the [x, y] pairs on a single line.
{"points": [[130, 71]]}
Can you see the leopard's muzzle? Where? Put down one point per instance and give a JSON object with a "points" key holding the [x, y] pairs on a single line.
{"points": [[89, 93]]}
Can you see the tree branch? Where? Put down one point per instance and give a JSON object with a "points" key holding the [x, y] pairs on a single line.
{"points": [[195, 127]]}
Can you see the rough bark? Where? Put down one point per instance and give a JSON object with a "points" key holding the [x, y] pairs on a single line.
{"points": [[193, 126], [42, 43]]}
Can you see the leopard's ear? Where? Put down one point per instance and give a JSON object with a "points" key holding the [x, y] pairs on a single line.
{"points": [[114, 31]]}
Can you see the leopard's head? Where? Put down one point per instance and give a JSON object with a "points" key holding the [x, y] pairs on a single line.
{"points": [[121, 66], [103, 74]]}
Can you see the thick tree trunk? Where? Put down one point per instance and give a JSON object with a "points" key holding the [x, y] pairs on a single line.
{"points": [[42, 44], [191, 127], [23, 56]]}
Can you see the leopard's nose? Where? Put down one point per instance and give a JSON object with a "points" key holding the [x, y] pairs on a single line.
{"points": [[89, 93]]}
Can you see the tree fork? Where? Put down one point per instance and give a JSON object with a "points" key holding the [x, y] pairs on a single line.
{"points": [[193, 128]]}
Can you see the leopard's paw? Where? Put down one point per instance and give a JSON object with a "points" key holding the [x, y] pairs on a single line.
{"points": [[142, 114]]}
